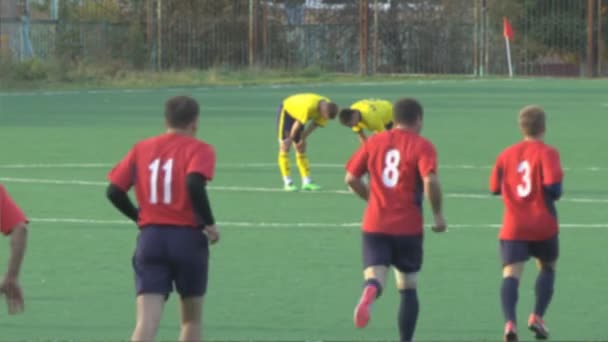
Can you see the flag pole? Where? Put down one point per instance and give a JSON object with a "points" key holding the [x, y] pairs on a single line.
{"points": [[508, 44], [508, 34]]}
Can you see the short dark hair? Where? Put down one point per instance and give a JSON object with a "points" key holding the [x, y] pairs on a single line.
{"points": [[532, 120], [407, 111], [346, 115], [333, 110], [180, 111]]}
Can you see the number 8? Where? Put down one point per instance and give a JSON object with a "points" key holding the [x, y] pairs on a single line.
{"points": [[390, 174]]}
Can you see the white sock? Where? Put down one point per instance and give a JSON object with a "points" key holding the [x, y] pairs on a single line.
{"points": [[306, 180], [287, 180]]}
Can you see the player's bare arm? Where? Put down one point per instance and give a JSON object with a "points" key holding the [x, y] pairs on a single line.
{"points": [[308, 130], [357, 186], [432, 188], [10, 285], [362, 137]]}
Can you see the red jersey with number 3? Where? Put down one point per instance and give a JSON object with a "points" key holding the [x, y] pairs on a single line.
{"points": [[158, 167], [521, 174], [396, 160], [10, 214]]}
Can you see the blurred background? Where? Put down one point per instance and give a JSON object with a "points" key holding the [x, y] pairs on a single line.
{"points": [[55, 39]]}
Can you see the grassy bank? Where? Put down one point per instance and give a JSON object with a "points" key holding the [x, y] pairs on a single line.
{"points": [[36, 75]]}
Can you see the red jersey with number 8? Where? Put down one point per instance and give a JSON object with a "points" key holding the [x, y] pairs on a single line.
{"points": [[521, 175], [158, 167], [396, 161]]}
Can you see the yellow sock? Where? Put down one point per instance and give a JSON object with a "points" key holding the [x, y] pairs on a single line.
{"points": [[284, 166], [303, 166]]}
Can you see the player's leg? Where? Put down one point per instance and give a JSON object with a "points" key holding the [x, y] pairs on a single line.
{"points": [[191, 310], [407, 258], [304, 165], [376, 260], [189, 251], [152, 282], [546, 254], [284, 124], [149, 312], [514, 255]]}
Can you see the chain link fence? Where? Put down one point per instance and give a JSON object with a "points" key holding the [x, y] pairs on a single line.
{"points": [[552, 37]]}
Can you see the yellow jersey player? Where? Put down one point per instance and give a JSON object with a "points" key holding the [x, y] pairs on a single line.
{"points": [[371, 114], [298, 116]]}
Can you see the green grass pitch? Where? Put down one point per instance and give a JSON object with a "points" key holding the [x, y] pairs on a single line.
{"points": [[288, 266]]}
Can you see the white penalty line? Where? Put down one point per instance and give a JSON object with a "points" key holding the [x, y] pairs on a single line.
{"points": [[251, 165], [263, 189], [289, 224]]}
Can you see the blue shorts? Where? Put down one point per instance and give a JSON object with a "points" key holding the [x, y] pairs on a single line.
{"points": [[402, 252], [285, 123], [515, 251], [168, 256]]}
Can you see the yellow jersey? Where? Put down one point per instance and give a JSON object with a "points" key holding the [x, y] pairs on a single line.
{"points": [[305, 107], [375, 115]]}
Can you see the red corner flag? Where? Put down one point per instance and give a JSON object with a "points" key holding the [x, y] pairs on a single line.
{"points": [[507, 29]]}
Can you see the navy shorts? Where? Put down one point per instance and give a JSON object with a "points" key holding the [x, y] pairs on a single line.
{"points": [[168, 256], [402, 252], [285, 123], [514, 251]]}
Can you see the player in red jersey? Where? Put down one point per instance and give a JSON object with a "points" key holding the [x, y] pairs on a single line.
{"points": [[401, 165], [14, 223], [170, 173], [529, 177]]}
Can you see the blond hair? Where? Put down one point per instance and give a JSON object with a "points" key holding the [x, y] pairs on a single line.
{"points": [[532, 120]]}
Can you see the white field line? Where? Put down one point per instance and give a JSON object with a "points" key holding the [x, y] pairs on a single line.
{"points": [[264, 189], [251, 165], [289, 224]]}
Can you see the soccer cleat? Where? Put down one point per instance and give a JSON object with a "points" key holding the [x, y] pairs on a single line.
{"points": [[537, 325], [290, 187], [363, 309], [310, 187], [510, 332]]}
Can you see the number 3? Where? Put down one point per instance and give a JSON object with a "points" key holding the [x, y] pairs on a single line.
{"points": [[524, 189], [390, 174]]}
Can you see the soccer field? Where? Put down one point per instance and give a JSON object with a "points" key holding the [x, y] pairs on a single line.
{"points": [[288, 266]]}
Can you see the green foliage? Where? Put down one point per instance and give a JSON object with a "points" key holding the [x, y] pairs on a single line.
{"points": [[29, 70]]}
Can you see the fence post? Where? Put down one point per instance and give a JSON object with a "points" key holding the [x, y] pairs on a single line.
{"points": [[590, 38], [476, 38], [363, 36], [252, 31], [159, 35], [375, 57], [600, 43]]}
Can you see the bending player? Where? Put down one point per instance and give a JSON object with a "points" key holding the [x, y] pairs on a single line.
{"points": [[14, 223], [373, 115], [529, 177], [294, 114], [396, 161], [170, 173]]}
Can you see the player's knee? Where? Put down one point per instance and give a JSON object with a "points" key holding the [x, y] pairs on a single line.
{"points": [[546, 266], [376, 272], [406, 281], [513, 270]]}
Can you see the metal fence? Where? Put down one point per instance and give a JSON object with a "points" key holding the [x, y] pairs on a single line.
{"points": [[552, 37]]}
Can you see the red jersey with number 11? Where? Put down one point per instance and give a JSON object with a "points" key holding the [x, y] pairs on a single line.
{"points": [[397, 161], [158, 167], [521, 174]]}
